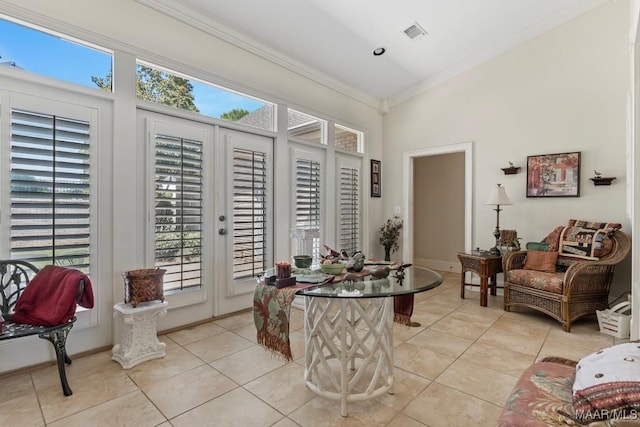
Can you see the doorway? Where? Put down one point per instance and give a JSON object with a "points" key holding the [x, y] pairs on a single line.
{"points": [[411, 249]]}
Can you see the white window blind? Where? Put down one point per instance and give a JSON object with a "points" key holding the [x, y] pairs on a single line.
{"points": [[50, 189], [349, 209], [307, 205], [249, 213], [178, 211]]}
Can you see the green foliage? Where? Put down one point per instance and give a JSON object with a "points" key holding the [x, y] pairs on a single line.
{"points": [[170, 245], [103, 83], [234, 115], [157, 86], [390, 233]]}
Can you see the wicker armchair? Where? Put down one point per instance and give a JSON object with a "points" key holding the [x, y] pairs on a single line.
{"points": [[579, 291]]}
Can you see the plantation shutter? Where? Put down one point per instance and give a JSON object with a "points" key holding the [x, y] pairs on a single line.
{"points": [[50, 189], [307, 204], [249, 212], [349, 209], [178, 211]]}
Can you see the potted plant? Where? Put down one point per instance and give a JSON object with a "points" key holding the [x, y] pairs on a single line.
{"points": [[389, 236]]}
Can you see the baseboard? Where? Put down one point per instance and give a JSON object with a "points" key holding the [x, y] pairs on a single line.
{"points": [[437, 265]]}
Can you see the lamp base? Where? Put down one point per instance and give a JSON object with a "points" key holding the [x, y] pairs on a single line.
{"points": [[494, 251]]}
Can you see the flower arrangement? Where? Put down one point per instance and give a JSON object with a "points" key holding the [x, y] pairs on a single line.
{"points": [[390, 234]]}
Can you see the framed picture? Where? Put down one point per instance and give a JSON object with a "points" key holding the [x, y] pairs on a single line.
{"points": [[375, 178], [553, 175]]}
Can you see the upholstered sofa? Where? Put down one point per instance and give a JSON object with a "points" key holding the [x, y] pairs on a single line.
{"points": [[600, 391], [568, 275]]}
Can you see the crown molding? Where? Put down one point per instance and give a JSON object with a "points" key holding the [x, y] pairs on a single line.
{"points": [[177, 10]]}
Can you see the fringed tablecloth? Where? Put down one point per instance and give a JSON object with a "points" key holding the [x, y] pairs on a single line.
{"points": [[403, 309], [271, 310]]}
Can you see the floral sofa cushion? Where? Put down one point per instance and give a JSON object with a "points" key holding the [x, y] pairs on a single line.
{"points": [[541, 397], [551, 282]]}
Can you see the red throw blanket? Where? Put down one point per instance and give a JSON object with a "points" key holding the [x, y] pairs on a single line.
{"points": [[50, 297]]}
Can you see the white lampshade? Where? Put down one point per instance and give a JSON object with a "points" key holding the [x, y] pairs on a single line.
{"points": [[499, 196]]}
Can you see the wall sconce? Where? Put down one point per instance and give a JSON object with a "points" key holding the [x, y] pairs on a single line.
{"points": [[498, 197]]}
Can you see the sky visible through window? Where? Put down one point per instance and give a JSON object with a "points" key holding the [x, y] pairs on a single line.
{"points": [[51, 56]]}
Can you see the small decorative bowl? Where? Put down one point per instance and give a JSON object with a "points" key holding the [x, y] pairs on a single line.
{"points": [[333, 269], [302, 261]]}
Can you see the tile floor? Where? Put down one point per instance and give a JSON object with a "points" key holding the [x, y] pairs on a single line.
{"points": [[457, 369]]}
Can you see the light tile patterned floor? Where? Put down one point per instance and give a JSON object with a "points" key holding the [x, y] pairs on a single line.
{"points": [[457, 369]]}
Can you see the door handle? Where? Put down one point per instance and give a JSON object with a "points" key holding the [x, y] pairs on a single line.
{"points": [[222, 231]]}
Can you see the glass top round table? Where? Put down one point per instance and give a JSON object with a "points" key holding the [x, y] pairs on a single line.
{"points": [[349, 333], [410, 280]]}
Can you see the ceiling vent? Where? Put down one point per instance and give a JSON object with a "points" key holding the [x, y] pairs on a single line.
{"points": [[415, 31]]}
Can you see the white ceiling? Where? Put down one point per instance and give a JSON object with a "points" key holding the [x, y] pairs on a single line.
{"points": [[332, 41]]}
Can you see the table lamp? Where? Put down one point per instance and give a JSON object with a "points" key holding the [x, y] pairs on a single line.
{"points": [[497, 197]]}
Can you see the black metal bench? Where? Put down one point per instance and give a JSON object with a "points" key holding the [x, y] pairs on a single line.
{"points": [[14, 278]]}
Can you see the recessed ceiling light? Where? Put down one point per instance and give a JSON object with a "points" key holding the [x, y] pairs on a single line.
{"points": [[379, 51]]}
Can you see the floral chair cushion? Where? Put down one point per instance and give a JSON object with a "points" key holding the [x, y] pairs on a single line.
{"points": [[551, 282]]}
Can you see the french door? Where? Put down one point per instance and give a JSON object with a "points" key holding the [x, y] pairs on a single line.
{"points": [[210, 204], [244, 218]]}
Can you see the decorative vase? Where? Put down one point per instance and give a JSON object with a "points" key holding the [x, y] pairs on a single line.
{"points": [[387, 253]]}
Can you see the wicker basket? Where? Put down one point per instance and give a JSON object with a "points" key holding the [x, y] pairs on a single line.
{"points": [[143, 285], [613, 322]]}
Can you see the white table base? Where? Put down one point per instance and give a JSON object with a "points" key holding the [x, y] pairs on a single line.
{"points": [[349, 348], [139, 337]]}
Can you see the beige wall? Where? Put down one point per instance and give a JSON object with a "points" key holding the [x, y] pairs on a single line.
{"points": [[438, 209], [566, 90]]}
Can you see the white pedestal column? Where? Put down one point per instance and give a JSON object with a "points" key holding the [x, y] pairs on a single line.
{"points": [[139, 336]]}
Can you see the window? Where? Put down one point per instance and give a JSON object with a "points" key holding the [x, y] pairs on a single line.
{"points": [[349, 207], [52, 56], [249, 213], [178, 210], [175, 90], [307, 178], [304, 127], [50, 189], [348, 139]]}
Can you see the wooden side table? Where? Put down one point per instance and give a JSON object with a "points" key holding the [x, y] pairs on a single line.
{"points": [[485, 266]]}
